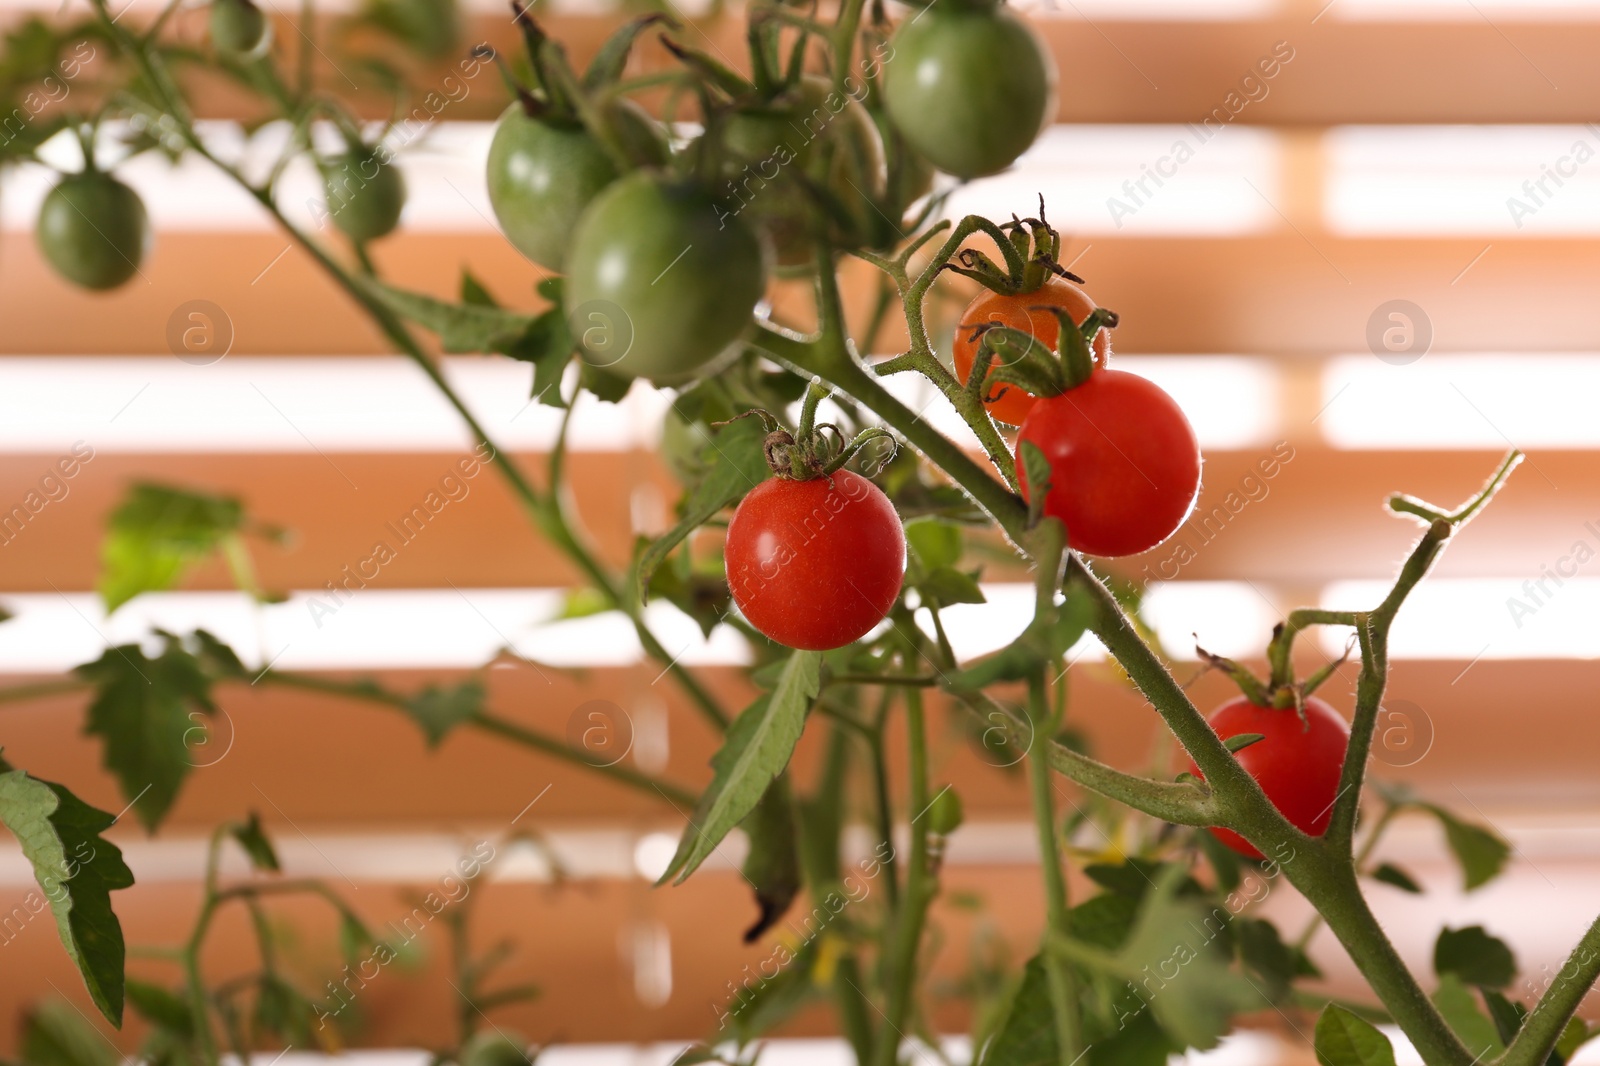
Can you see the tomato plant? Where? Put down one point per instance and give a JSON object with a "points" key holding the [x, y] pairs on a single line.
{"points": [[1296, 762], [970, 86], [1028, 312], [1124, 462], [658, 271], [93, 229]]}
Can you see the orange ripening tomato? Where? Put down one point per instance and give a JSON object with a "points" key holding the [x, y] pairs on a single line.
{"points": [[1021, 312]]}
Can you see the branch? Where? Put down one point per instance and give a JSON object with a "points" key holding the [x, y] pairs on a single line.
{"points": [[1538, 1035]]}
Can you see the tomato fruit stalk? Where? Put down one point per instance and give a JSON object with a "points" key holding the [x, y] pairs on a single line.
{"points": [[1297, 764]]}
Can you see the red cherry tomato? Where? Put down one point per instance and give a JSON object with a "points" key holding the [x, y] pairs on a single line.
{"points": [[1021, 312], [1296, 764], [815, 564], [1124, 463]]}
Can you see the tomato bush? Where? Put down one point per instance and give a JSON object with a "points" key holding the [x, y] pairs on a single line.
{"points": [[1296, 763], [970, 86], [94, 230], [1124, 462], [657, 269], [1029, 313], [815, 564]]}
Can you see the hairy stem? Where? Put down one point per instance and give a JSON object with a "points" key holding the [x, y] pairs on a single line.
{"points": [[1063, 988]]}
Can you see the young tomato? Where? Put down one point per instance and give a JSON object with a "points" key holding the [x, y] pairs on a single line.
{"points": [[93, 229], [1124, 463], [815, 564], [1021, 312], [1296, 764]]}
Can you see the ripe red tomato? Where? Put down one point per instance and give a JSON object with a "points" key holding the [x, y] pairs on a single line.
{"points": [[1019, 312], [815, 564], [1296, 764], [1124, 463]]}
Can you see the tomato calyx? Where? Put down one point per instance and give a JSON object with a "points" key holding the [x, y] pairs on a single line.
{"points": [[1037, 259], [1015, 358], [815, 449], [1282, 694]]}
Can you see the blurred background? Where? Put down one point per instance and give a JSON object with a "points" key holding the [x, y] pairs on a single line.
{"points": [[1371, 270]]}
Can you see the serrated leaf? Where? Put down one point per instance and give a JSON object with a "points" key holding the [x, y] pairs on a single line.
{"points": [[1342, 1039], [157, 534], [737, 464], [1474, 956], [1027, 1036], [1104, 920], [55, 1034], [439, 709], [948, 586], [1240, 741], [772, 866], [1455, 1001], [547, 344], [1479, 851], [77, 869], [146, 712], [755, 750], [161, 1007], [935, 543], [1390, 874], [1036, 475], [459, 327], [1264, 953], [253, 839]]}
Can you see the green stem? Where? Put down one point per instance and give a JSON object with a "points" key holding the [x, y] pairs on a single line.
{"points": [[1368, 846], [1063, 986], [38, 690], [1537, 1037]]}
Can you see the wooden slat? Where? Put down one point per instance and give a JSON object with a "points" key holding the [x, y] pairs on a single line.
{"points": [[1281, 293]]}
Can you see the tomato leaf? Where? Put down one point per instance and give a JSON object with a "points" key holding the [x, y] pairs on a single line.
{"points": [[1479, 851], [439, 709], [737, 464], [77, 869], [947, 586], [755, 750], [935, 543], [55, 1033], [148, 712], [157, 534], [1474, 956], [161, 1007], [1506, 1014], [1036, 475], [1342, 1039], [1240, 741], [772, 866], [253, 839], [463, 327], [1027, 1036], [1390, 874], [1454, 1000], [1264, 953], [473, 291]]}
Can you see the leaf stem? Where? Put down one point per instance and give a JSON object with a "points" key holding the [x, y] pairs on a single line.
{"points": [[1063, 986]]}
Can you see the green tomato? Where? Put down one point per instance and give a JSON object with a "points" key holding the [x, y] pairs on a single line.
{"points": [[492, 1047], [661, 278], [945, 813], [93, 229], [365, 194], [910, 175], [239, 28], [542, 175], [806, 164], [969, 86]]}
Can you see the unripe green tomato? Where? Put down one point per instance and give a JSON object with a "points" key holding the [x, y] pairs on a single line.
{"points": [[365, 194], [945, 813], [683, 444], [492, 1047], [910, 175], [93, 229], [661, 279], [239, 28], [970, 87], [817, 134]]}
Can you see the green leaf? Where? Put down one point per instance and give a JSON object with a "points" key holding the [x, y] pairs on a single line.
{"points": [[157, 534], [1507, 1015], [755, 750], [1391, 874], [462, 327], [935, 543], [147, 711], [737, 464], [253, 839], [1576, 1034], [611, 60], [1479, 851], [439, 709], [473, 291], [56, 1034], [78, 870], [1455, 1001], [1264, 953], [1240, 741], [161, 1007], [1036, 475], [1342, 1039], [547, 344], [1224, 860], [1474, 956], [1134, 877], [1027, 1036], [772, 867], [949, 587], [1104, 920]]}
